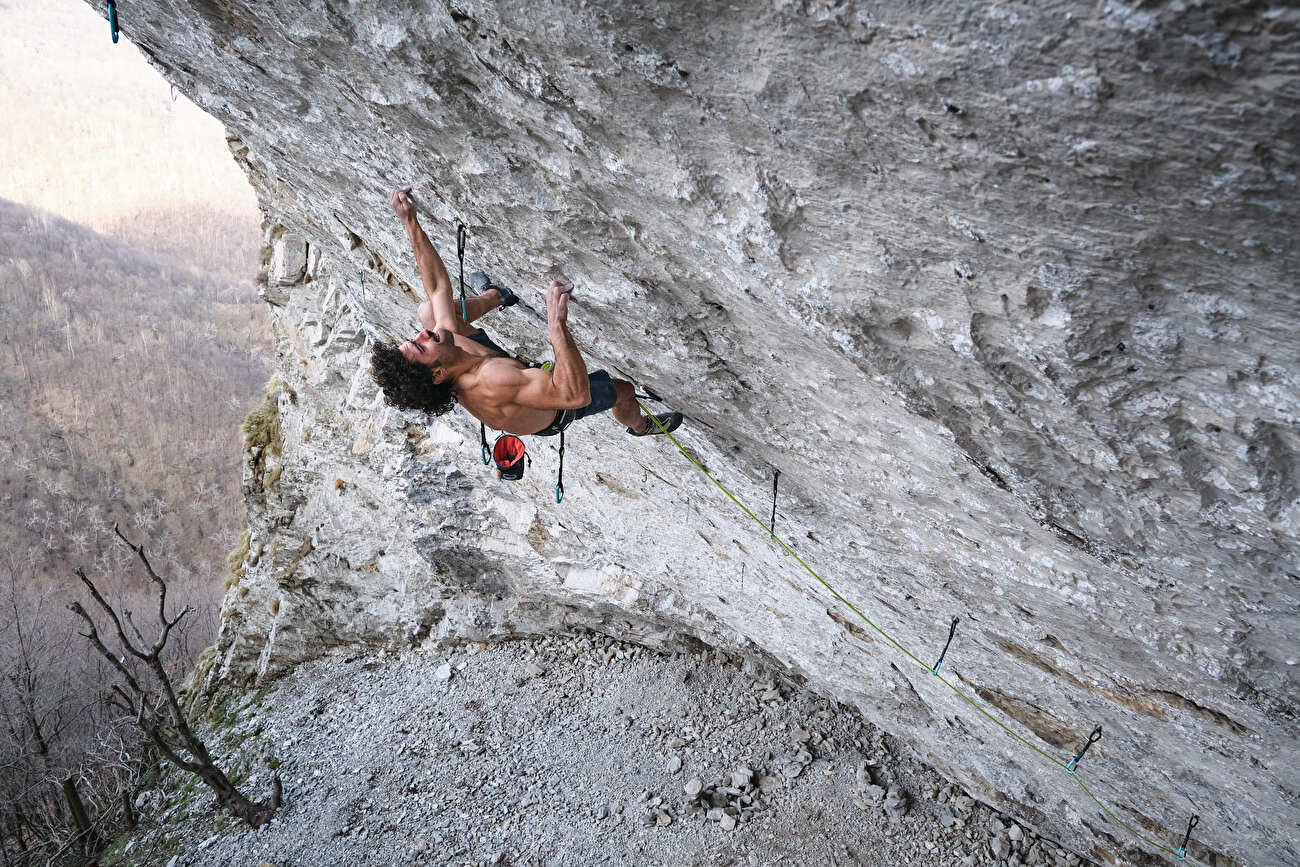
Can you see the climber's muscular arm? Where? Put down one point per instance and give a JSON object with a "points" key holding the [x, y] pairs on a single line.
{"points": [[570, 372], [437, 285], [566, 386]]}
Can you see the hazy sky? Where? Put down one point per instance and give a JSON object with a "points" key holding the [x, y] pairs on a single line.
{"points": [[91, 132]]}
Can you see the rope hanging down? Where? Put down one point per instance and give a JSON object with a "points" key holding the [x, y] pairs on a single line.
{"points": [[960, 694]]}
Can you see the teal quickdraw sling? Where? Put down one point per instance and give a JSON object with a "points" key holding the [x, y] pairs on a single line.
{"points": [[460, 254]]}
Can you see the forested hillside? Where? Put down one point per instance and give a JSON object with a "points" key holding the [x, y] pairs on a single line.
{"points": [[125, 383], [133, 345], [125, 377]]}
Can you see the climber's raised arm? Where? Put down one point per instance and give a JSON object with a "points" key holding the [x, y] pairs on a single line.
{"points": [[570, 372], [564, 386], [437, 285]]}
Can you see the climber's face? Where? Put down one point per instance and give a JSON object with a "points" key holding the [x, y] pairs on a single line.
{"points": [[434, 349]]}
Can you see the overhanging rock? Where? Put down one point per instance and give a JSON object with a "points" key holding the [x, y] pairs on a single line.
{"points": [[1006, 293]]}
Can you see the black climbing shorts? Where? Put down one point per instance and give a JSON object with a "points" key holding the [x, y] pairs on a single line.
{"points": [[603, 397]]}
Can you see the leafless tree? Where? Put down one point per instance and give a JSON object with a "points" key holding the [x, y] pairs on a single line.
{"points": [[156, 709], [40, 701], [136, 416]]}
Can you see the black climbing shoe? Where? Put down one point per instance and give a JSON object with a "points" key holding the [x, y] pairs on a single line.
{"points": [[508, 297], [671, 421], [480, 283]]}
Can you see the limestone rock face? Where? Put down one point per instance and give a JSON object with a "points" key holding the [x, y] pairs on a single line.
{"points": [[1005, 292]]}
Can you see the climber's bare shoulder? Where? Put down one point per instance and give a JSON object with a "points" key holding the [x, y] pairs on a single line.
{"points": [[510, 397], [526, 386]]}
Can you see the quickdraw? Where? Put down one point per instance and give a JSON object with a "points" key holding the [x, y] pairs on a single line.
{"points": [[952, 630], [460, 254]]}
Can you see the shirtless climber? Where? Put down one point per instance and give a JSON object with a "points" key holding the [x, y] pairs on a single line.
{"points": [[450, 361]]}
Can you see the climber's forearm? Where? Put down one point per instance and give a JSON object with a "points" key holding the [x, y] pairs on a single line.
{"points": [[437, 285], [570, 371]]}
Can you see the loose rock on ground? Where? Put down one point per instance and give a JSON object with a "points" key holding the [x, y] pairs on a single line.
{"points": [[573, 750]]}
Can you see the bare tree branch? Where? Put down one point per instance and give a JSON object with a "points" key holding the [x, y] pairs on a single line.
{"points": [[156, 736], [125, 704], [108, 609], [174, 735], [126, 612], [162, 589], [93, 638]]}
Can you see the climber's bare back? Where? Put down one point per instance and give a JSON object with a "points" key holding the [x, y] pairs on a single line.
{"points": [[491, 392]]}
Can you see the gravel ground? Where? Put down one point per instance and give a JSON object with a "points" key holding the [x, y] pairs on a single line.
{"points": [[573, 750]]}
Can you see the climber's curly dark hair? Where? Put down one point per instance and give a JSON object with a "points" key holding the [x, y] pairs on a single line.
{"points": [[406, 384]]}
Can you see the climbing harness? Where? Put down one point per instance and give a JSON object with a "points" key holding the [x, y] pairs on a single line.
{"points": [[1180, 853], [112, 18], [508, 452], [509, 455]]}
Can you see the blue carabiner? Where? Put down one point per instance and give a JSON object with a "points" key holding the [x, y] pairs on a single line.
{"points": [[112, 18], [559, 493], [487, 455]]}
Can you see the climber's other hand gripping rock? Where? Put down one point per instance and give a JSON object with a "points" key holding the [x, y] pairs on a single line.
{"points": [[557, 303], [402, 205]]}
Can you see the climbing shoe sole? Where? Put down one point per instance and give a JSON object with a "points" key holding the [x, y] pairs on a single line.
{"points": [[671, 421]]}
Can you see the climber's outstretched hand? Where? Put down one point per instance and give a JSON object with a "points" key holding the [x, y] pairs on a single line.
{"points": [[402, 205], [557, 303]]}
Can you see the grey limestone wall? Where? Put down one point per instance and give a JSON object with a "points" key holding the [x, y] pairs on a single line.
{"points": [[1005, 291]]}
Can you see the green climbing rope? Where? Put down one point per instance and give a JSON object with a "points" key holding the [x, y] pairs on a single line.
{"points": [[867, 620]]}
